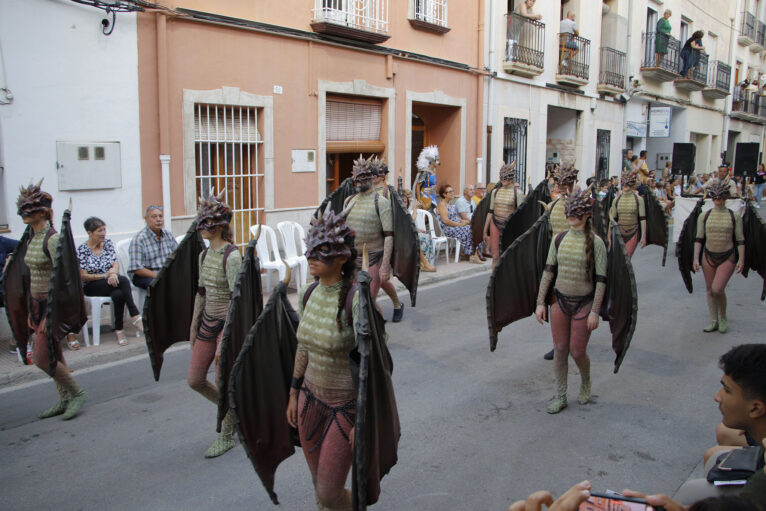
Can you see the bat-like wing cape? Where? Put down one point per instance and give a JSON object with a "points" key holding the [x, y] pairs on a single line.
{"points": [[245, 306], [479, 218], [656, 224], [685, 245], [406, 254], [515, 281], [754, 229], [525, 215], [259, 388], [169, 306], [337, 198], [620, 305], [16, 294], [377, 430], [66, 300]]}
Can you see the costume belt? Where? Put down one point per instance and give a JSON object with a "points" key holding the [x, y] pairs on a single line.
{"points": [[571, 305], [715, 259], [210, 327], [321, 416]]}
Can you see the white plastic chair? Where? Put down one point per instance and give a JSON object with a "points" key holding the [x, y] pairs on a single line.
{"points": [[268, 252], [96, 302], [123, 258], [288, 231], [440, 241]]}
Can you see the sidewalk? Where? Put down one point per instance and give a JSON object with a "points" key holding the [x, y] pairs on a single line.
{"points": [[13, 372]]}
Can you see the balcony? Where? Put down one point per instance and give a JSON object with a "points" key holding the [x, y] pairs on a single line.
{"points": [[574, 60], [719, 78], [525, 45], [760, 38], [657, 65], [696, 77], [747, 29], [611, 72], [748, 106], [362, 21], [430, 15]]}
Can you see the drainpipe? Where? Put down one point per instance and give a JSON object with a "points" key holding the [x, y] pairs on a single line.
{"points": [[727, 102], [480, 93], [162, 97], [490, 93], [628, 83]]}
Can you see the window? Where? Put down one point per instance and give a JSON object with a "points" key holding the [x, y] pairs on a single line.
{"points": [[651, 20], [684, 34], [431, 11], [603, 139], [227, 157], [515, 147]]}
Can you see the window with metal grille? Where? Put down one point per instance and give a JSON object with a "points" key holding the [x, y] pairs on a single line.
{"points": [[603, 139], [228, 157], [432, 11], [515, 147]]}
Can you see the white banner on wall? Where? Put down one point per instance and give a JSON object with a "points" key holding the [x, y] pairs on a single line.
{"points": [[635, 129], [659, 121]]}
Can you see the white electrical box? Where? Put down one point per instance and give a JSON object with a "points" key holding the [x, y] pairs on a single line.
{"points": [[88, 165], [552, 157], [304, 160], [663, 159]]}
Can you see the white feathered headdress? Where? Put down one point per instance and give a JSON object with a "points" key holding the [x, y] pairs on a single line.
{"points": [[427, 156]]}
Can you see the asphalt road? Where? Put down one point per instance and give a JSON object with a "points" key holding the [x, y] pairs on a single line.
{"points": [[475, 434]]}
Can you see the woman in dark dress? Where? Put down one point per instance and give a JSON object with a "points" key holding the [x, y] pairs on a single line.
{"points": [[690, 53]]}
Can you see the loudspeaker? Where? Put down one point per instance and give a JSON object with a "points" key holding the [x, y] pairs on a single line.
{"points": [[746, 159], [683, 158]]}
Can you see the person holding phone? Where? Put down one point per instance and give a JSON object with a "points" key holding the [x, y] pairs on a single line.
{"points": [[576, 267]]}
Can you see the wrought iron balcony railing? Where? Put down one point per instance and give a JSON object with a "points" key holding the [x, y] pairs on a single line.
{"points": [[719, 75], [370, 15], [612, 68], [747, 25], [525, 40], [661, 51]]}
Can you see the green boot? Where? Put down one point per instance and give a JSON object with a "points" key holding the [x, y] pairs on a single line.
{"points": [[59, 407], [723, 325], [712, 327], [584, 396], [225, 440], [74, 406], [558, 404]]}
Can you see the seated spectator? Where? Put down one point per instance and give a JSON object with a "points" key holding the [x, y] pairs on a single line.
{"points": [[668, 198], [742, 402], [479, 190], [100, 275], [424, 235], [569, 47], [691, 186], [464, 204], [150, 247], [453, 226]]}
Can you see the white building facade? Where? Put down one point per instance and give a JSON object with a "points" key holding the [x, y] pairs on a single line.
{"points": [[69, 113]]}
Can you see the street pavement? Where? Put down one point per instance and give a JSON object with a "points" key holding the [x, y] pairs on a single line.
{"points": [[475, 433]]}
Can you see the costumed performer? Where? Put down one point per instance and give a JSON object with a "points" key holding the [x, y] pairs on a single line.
{"points": [[502, 203], [719, 231], [629, 211], [380, 171], [219, 265], [577, 262], [322, 403], [565, 178], [371, 219], [34, 208], [425, 181]]}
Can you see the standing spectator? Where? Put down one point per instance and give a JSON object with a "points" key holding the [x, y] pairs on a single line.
{"points": [[627, 161], [464, 204], [150, 247], [661, 37], [568, 32], [7, 246], [690, 53], [643, 168], [634, 163], [478, 193], [100, 275], [760, 180], [527, 10]]}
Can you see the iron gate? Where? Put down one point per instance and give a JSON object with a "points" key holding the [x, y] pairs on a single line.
{"points": [[603, 138], [515, 147]]}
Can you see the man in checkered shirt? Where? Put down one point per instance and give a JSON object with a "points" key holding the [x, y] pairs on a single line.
{"points": [[150, 247]]}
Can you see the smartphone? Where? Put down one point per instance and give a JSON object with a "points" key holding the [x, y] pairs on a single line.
{"points": [[613, 502]]}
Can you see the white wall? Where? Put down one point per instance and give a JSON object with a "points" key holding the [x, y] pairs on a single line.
{"points": [[70, 82]]}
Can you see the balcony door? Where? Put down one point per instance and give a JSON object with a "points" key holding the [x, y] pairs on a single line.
{"points": [[603, 141], [419, 141], [515, 147]]}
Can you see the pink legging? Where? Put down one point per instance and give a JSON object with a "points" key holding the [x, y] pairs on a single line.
{"points": [[716, 279], [494, 242], [631, 245], [570, 334], [203, 354], [374, 272], [331, 461]]}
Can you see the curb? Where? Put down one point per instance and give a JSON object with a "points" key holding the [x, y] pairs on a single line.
{"points": [[25, 374]]}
